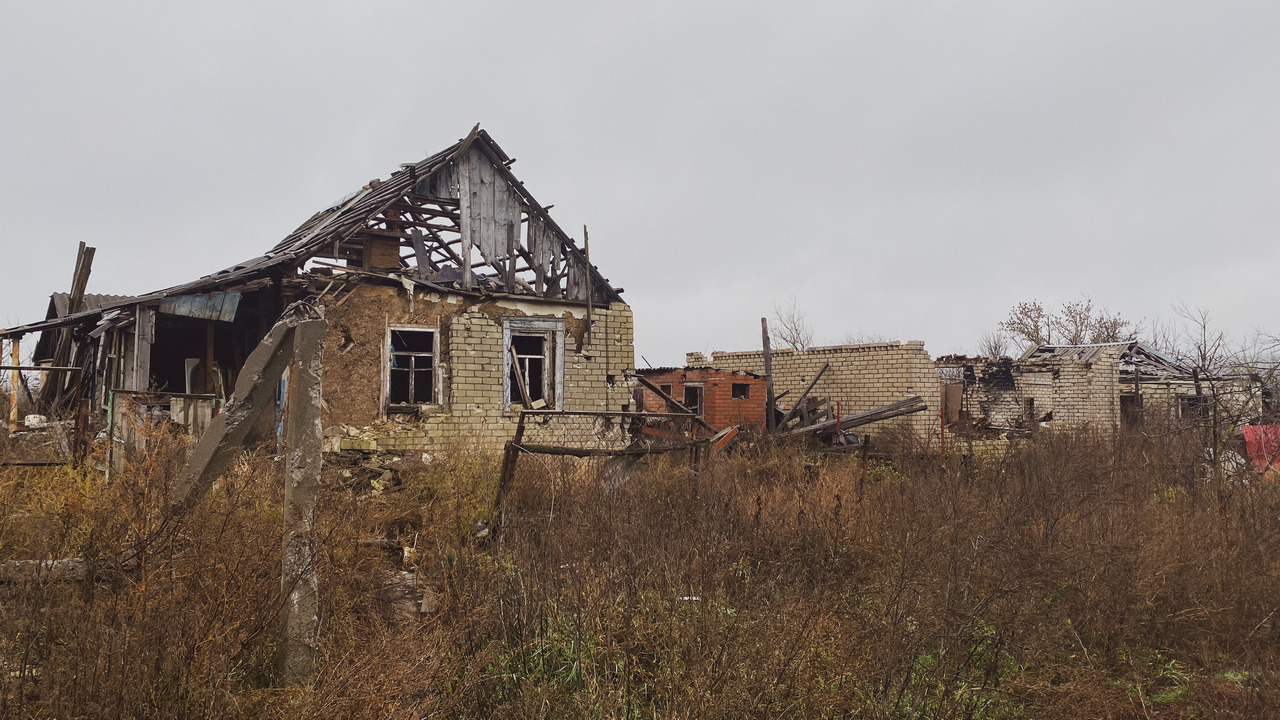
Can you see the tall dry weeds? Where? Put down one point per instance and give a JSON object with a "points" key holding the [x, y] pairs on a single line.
{"points": [[1069, 576]]}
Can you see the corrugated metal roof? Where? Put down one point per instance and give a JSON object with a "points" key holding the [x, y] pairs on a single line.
{"points": [[59, 301]]}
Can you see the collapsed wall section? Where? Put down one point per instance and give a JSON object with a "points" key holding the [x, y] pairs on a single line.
{"points": [[1004, 393], [861, 377]]}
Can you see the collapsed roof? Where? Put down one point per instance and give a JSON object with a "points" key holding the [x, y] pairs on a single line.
{"points": [[458, 221], [1149, 363]]}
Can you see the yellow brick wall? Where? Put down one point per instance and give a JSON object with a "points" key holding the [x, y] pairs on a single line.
{"points": [[471, 362], [861, 377]]}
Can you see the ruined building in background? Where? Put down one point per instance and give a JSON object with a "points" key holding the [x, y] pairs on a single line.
{"points": [[1103, 386], [860, 377], [453, 299], [721, 397]]}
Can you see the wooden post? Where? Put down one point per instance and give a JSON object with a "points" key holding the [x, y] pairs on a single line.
{"points": [[800, 400], [300, 621], [586, 251], [15, 379], [144, 332], [510, 456], [769, 399], [51, 394], [524, 390], [208, 357]]}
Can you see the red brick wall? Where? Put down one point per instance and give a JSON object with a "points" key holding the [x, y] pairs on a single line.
{"points": [[720, 408]]}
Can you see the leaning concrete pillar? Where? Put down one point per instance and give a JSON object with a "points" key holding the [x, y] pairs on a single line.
{"points": [[300, 620]]}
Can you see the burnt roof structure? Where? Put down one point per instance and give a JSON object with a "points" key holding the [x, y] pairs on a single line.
{"points": [[458, 221], [1149, 364]]}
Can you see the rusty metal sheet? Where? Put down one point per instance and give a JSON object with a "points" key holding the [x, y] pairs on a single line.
{"points": [[219, 306]]}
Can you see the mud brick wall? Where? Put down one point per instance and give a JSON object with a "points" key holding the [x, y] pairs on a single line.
{"points": [[470, 407], [861, 377]]}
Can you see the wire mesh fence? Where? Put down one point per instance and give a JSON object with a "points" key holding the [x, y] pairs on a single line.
{"points": [[599, 446]]}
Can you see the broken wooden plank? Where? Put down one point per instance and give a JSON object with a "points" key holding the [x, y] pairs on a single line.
{"points": [[671, 403], [908, 406], [800, 401], [770, 402], [603, 452], [52, 395], [15, 379]]}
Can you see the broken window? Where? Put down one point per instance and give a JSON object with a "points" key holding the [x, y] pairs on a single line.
{"points": [[412, 373], [741, 391], [693, 398], [533, 352], [1193, 407], [528, 371]]}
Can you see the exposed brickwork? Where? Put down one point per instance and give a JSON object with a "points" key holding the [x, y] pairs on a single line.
{"points": [[470, 404], [861, 377], [1069, 392], [720, 408]]}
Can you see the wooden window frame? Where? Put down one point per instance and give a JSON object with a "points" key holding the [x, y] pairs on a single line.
{"points": [[552, 332], [386, 404]]}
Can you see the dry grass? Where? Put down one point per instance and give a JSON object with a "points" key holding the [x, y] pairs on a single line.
{"points": [[1070, 577]]}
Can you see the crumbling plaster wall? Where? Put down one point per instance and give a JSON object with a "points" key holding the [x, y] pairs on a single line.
{"points": [[861, 377], [471, 364]]}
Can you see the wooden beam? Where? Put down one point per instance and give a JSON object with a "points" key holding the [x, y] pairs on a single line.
{"points": [[51, 396], [770, 401], [671, 403], [800, 401], [14, 381], [144, 333], [908, 406]]}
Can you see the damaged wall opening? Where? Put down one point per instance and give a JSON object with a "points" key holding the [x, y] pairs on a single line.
{"points": [[531, 362], [412, 370], [741, 391], [693, 398]]}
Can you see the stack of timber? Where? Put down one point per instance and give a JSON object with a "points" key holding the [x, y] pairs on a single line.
{"points": [[828, 428]]}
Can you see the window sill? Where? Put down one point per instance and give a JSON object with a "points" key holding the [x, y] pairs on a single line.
{"points": [[415, 410]]}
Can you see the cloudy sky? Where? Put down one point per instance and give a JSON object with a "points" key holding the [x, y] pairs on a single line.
{"points": [[899, 169]]}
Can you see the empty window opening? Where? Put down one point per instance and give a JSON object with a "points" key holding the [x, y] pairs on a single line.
{"points": [[693, 398], [1192, 407], [741, 391], [1131, 411], [531, 364], [666, 389], [412, 378]]}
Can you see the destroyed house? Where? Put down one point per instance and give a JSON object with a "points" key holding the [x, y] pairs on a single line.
{"points": [[452, 297], [1102, 386], [720, 397], [853, 378]]}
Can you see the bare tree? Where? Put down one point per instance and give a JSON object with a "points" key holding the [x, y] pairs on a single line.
{"points": [[1030, 324], [993, 344], [790, 327], [864, 337]]}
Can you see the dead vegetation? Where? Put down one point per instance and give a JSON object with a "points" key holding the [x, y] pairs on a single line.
{"points": [[1072, 576]]}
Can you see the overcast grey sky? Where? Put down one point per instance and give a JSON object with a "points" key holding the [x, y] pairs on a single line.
{"points": [[906, 169]]}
